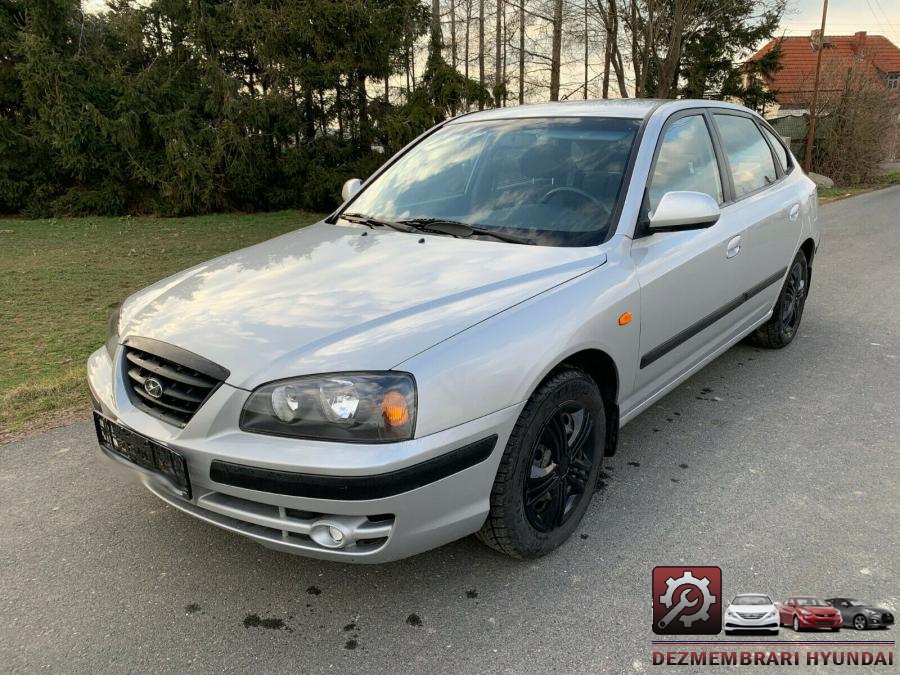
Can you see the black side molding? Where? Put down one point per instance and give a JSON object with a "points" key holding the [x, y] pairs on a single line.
{"points": [[707, 321], [352, 488]]}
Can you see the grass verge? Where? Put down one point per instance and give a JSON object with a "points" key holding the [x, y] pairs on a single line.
{"points": [[834, 193], [60, 278]]}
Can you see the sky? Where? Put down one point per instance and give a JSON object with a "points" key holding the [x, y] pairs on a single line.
{"points": [[845, 17]]}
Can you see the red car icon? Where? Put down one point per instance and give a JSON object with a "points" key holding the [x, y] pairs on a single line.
{"points": [[804, 612]]}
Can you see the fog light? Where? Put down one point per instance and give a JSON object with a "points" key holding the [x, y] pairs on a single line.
{"points": [[336, 534]]}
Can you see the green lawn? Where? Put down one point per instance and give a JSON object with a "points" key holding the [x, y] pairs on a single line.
{"points": [[59, 279], [836, 192]]}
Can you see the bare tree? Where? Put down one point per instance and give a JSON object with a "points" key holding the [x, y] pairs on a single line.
{"points": [[498, 51], [453, 59], [481, 49], [856, 116], [555, 50], [521, 52], [586, 50], [436, 37]]}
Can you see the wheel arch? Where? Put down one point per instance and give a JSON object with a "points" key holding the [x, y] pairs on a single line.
{"points": [[808, 248], [601, 367]]}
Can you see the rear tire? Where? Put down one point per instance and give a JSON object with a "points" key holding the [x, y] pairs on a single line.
{"points": [[780, 330], [550, 467]]}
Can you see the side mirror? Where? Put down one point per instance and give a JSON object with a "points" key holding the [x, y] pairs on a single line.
{"points": [[351, 187], [678, 211], [778, 604]]}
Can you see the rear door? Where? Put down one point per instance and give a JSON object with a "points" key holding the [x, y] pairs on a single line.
{"points": [[764, 200], [689, 279]]}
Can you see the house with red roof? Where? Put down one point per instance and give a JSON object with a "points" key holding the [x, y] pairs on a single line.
{"points": [[792, 84]]}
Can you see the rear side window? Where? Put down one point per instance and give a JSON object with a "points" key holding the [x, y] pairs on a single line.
{"points": [[686, 161], [752, 164], [780, 152]]}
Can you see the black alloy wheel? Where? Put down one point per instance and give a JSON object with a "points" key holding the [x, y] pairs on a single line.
{"points": [[549, 468], [792, 299], [784, 324], [561, 465]]}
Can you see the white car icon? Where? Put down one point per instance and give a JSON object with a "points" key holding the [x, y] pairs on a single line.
{"points": [[751, 611]]}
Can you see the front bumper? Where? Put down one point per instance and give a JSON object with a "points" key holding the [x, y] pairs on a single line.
{"points": [[734, 621], [820, 622], [417, 494]]}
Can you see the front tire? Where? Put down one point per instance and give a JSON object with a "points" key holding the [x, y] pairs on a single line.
{"points": [[796, 624], [859, 622], [549, 468], [780, 330]]}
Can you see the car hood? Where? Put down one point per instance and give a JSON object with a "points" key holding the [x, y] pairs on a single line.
{"points": [[331, 298], [820, 611], [752, 609]]}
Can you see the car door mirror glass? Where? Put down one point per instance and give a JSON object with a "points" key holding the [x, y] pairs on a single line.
{"points": [[351, 187], [683, 210]]}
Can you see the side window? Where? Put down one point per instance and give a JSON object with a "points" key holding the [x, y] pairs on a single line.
{"points": [[686, 161], [780, 152], [752, 164]]}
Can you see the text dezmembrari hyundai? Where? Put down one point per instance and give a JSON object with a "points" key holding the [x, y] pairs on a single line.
{"points": [[454, 350]]}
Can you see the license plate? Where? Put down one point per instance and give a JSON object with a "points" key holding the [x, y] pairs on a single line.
{"points": [[145, 453]]}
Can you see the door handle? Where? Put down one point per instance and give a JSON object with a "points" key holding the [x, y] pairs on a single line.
{"points": [[794, 213], [734, 247]]}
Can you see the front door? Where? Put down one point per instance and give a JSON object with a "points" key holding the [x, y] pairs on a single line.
{"points": [[689, 280]]}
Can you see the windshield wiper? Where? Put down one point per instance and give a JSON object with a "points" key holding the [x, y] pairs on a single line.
{"points": [[363, 219], [452, 228], [456, 228]]}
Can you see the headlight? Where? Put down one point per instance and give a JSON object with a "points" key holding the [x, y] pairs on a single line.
{"points": [[806, 612], [349, 407], [112, 330]]}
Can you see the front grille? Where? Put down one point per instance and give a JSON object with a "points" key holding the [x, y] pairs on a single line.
{"points": [[887, 617], [745, 615], [168, 382], [826, 622]]}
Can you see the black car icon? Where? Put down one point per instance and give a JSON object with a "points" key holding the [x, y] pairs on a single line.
{"points": [[860, 614]]}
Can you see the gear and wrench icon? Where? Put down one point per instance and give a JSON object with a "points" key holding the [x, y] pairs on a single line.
{"points": [[702, 584]]}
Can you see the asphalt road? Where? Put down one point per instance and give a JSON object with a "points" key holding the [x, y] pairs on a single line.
{"points": [[782, 468]]}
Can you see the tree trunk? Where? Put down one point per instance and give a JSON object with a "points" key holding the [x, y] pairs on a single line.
{"points": [[669, 66], [585, 50], [607, 55], [436, 38], [556, 50], [498, 52], [453, 59], [466, 50], [521, 52], [481, 50], [505, 42], [362, 104]]}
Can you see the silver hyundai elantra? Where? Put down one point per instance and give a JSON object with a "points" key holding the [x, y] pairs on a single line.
{"points": [[454, 350]]}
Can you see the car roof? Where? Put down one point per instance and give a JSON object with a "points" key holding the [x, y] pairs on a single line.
{"points": [[622, 108]]}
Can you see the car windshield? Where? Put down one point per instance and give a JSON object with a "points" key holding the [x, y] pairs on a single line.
{"points": [[751, 600], [811, 602], [859, 603], [554, 181]]}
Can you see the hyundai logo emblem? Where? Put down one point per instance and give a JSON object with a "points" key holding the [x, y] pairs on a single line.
{"points": [[153, 387]]}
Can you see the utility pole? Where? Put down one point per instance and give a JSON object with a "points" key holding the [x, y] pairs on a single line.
{"points": [[811, 132]]}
